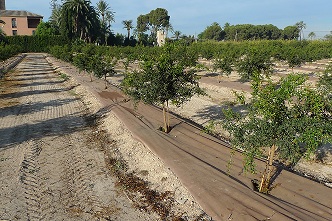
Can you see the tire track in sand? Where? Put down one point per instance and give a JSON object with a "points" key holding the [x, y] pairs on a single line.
{"points": [[50, 168]]}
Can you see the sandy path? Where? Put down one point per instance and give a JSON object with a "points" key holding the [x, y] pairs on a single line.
{"points": [[50, 167]]}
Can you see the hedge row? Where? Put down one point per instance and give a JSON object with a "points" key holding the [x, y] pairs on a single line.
{"points": [[7, 51], [36, 43], [279, 49]]}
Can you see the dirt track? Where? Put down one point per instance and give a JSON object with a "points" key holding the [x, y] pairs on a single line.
{"points": [[51, 163]]}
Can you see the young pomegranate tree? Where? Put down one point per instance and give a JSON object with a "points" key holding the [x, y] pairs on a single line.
{"points": [[285, 120], [169, 77]]}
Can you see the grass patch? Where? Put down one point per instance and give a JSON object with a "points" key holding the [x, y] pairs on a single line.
{"points": [[209, 128], [64, 76]]}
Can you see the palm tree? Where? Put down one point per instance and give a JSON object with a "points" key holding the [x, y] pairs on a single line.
{"points": [[79, 19], [300, 26], [311, 35], [328, 36], [106, 15], [177, 34], [104, 10], [109, 18], [128, 24], [56, 14]]}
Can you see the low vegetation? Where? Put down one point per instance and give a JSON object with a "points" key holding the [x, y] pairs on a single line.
{"points": [[167, 78], [277, 124], [285, 120]]}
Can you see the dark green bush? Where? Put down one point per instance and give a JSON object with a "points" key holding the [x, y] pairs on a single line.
{"points": [[7, 51], [36, 43], [62, 52]]}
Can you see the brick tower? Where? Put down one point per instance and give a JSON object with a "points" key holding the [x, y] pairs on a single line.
{"points": [[2, 4]]}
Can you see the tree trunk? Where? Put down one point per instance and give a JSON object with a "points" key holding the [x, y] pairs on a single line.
{"points": [[166, 124], [167, 114], [265, 182], [91, 76], [105, 81]]}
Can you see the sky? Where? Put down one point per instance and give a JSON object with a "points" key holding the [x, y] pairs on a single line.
{"points": [[191, 17]]}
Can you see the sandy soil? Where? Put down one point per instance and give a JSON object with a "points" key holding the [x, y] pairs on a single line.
{"points": [[220, 92], [206, 109], [63, 152], [55, 154]]}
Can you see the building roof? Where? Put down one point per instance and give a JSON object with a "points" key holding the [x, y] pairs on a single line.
{"points": [[15, 13]]}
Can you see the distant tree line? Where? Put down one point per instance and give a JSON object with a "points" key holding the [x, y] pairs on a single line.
{"points": [[80, 20], [242, 32]]}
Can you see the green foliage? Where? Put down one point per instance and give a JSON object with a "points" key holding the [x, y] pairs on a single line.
{"points": [[94, 60], [46, 29], [167, 78], [291, 33], [7, 51], [183, 54], [64, 76], [62, 52], [300, 26], [126, 63], [244, 32], [83, 56], [56, 13], [162, 80], [210, 127], [302, 51], [287, 114], [157, 19], [106, 16], [312, 35], [105, 12], [102, 67], [325, 81], [254, 61], [142, 23], [223, 62], [81, 61], [2, 33], [294, 59], [79, 19], [36, 43], [128, 25], [328, 36], [212, 32]]}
